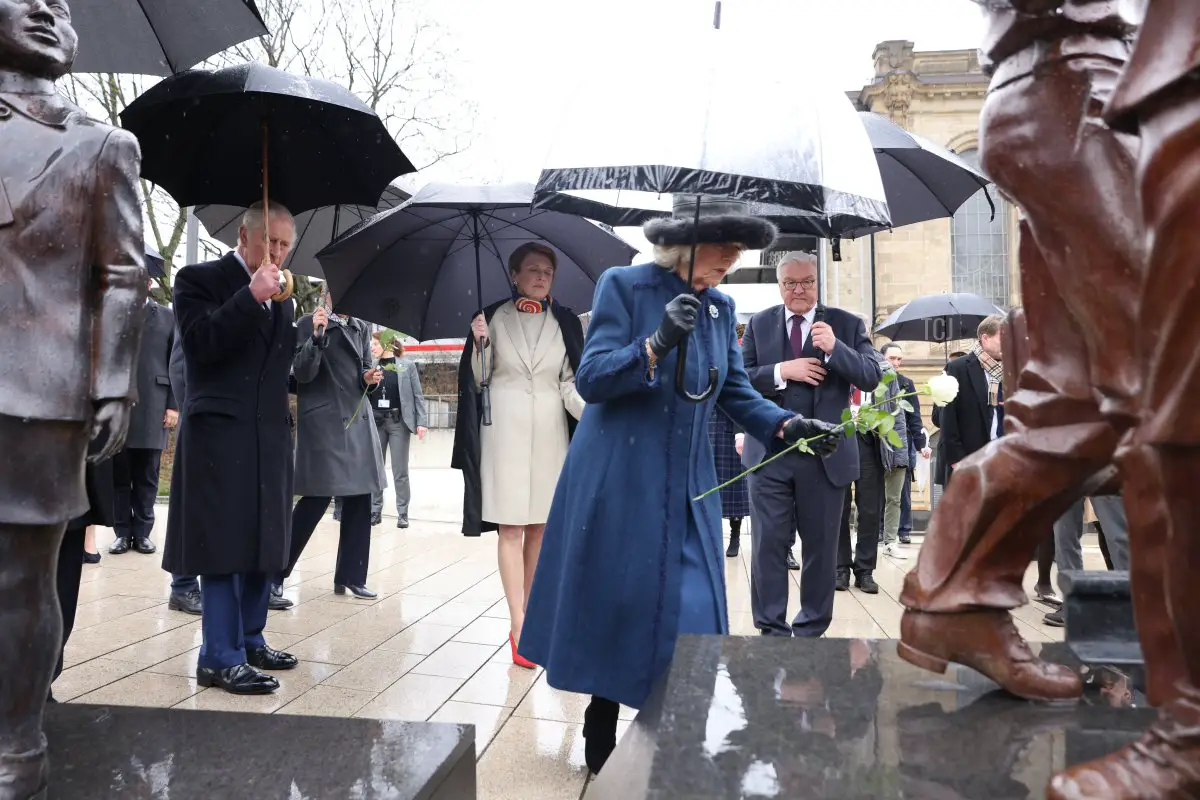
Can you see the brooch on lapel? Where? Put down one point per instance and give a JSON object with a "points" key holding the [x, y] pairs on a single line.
{"points": [[713, 312]]}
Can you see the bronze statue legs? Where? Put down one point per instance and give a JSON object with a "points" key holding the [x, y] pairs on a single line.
{"points": [[1161, 466], [33, 630]]}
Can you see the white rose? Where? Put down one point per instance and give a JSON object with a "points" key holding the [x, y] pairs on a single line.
{"points": [[943, 388]]}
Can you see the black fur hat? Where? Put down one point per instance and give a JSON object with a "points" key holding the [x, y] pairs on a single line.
{"points": [[722, 221]]}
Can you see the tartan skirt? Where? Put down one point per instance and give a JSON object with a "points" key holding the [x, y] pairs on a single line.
{"points": [[735, 499]]}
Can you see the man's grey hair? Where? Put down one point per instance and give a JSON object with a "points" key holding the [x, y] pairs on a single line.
{"points": [[253, 219], [799, 257]]}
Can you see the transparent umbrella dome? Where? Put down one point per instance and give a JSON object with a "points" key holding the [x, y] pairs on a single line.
{"points": [[725, 127]]}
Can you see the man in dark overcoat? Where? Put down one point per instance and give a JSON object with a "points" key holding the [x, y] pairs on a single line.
{"points": [[71, 283], [135, 469], [231, 490], [337, 446]]}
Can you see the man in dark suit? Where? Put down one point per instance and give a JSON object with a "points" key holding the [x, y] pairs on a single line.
{"points": [[976, 416], [135, 469], [71, 283], [231, 490], [806, 358]]}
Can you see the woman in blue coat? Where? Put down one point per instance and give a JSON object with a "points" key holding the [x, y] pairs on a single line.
{"points": [[629, 562]]}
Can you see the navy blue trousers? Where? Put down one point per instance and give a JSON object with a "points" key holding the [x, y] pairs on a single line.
{"points": [[234, 613]]}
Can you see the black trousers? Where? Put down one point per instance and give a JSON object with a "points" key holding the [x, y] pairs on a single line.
{"points": [[70, 571], [135, 478], [354, 545], [868, 495]]}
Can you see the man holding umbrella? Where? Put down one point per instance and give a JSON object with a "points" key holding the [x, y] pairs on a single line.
{"points": [[231, 492]]}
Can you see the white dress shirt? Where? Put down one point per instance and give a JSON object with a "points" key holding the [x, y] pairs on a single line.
{"points": [[805, 321], [267, 305]]}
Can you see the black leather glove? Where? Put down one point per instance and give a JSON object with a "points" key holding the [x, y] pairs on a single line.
{"points": [[799, 427], [679, 320]]}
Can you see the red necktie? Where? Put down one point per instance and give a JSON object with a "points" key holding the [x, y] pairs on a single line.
{"points": [[797, 336]]}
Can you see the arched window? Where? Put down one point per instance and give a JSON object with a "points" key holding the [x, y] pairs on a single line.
{"points": [[979, 244]]}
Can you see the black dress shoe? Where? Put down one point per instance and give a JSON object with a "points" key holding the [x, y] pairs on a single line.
{"points": [[270, 658], [376, 518], [401, 522], [357, 591], [91, 558], [242, 679], [905, 540], [277, 602], [600, 732], [865, 582], [187, 602], [1055, 619], [791, 560], [144, 546], [121, 545], [843, 580]]}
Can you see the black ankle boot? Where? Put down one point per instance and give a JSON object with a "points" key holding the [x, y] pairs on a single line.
{"points": [[735, 538], [600, 731]]}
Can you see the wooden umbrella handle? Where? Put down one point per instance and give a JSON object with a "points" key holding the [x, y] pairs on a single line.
{"points": [[286, 283]]}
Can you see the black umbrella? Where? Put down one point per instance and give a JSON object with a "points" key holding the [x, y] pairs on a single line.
{"points": [[209, 137], [938, 318], [426, 266], [314, 229], [155, 264], [159, 37], [218, 137]]}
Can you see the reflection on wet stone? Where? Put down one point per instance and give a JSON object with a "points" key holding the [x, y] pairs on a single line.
{"points": [[109, 752], [761, 717]]}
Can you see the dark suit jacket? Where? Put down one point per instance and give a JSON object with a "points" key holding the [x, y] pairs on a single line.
{"points": [[231, 490], [73, 281], [913, 422], [155, 395], [854, 362], [966, 423]]}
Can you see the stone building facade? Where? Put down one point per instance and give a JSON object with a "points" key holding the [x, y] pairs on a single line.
{"points": [[937, 95]]}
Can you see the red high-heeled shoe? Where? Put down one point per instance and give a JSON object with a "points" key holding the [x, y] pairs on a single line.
{"points": [[518, 659]]}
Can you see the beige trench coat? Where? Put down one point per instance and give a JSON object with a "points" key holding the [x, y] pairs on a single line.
{"points": [[522, 451]]}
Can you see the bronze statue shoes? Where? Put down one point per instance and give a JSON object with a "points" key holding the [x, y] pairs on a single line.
{"points": [[1163, 765], [987, 641]]}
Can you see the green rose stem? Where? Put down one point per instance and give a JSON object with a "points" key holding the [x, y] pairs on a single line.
{"points": [[357, 408], [802, 445]]}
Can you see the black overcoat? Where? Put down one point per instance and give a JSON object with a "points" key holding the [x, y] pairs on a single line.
{"points": [[231, 491], [465, 456]]}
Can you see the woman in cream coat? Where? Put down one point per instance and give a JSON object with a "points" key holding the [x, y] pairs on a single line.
{"points": [[521, 453]]}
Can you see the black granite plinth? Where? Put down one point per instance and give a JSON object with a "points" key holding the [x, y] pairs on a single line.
{"points": [[134, 753], [1099, 615], [764, 717]]}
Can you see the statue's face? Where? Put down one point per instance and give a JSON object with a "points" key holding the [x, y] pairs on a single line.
{"points": [[36, 37]]}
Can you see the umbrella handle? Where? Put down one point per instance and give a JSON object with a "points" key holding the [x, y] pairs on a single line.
{"points": [[681, 364], [287, 283], [681, 369], [485, 387]]}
